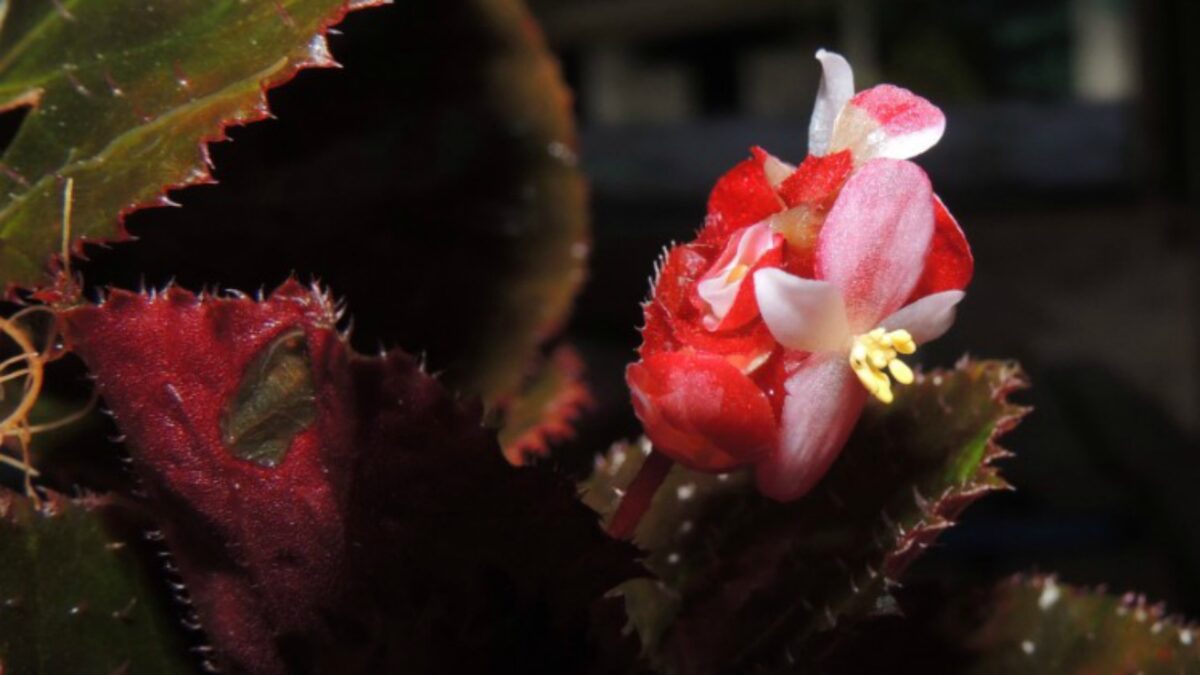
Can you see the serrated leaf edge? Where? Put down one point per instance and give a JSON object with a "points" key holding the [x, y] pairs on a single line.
{"points": [[200, 172], [939, 512]]}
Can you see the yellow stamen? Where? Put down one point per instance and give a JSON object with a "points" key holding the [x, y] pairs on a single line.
{"points": [[900, 371], [874, 352], [736, 274]]}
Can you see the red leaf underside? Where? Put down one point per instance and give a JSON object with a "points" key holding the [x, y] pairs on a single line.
{"points": [[388, 531]]}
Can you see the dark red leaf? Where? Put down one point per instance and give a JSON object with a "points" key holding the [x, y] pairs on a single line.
{"points": [[389, 536]]}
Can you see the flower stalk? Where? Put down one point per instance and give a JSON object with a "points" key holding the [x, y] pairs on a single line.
{"points": [[639, 495]]}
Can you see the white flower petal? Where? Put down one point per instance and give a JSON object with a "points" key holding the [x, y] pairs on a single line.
{"points": [[837, 88], [719, 294], [720, 287], [801, 313], [776, 170], [928, 318], [904, 146]]}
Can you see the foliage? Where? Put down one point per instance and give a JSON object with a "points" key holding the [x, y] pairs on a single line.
{"points": [[319, 510], [388, 531], [124, 96], [75, 598], [1037, 625], [1024, 624], [747, 580], [548, 405]]}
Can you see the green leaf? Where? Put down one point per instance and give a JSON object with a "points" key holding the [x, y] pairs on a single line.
{"points": [[438, 165], [746, 581], [125, 94], [1035, 625], [519, 125], [73, 599]]}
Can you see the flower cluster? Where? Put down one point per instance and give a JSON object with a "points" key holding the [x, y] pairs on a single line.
{"points": [[765, 335]]}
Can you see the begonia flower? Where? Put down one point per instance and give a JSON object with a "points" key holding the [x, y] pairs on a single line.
{"points": [[854, 318], [765, 335]]}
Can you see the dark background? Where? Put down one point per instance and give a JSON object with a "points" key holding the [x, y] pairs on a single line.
{"points": [[1071, 159]]}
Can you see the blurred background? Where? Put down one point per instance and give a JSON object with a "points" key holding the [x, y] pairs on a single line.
{"points": [[1071, 159]]}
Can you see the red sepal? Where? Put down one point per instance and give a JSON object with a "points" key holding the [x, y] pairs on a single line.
{"points": [[817, 180], [741, 347], [743, 196], [673, 321], [701, 411], [681, 268], [949, 264]]}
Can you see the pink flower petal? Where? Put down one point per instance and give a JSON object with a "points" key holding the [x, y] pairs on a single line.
{"points": [[875, 239], [801, 313], [721, 289], [701, 410], [888, 121], [949, 264], [823, 402], [837, 87], [926, 319]]}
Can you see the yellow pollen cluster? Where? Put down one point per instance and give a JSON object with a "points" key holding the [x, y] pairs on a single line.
{"points": [[737, 274], [872, 352]]}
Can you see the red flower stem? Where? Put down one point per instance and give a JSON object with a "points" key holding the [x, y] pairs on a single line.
{"points": [[639, 494]]}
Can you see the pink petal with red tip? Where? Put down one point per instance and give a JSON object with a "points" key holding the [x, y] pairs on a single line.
{"points": [[949, 264], [801, 313], [837, 87], [875, 239], [926, 319], [701, 411], [726, 291], [824, 400], [889, 121]]}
